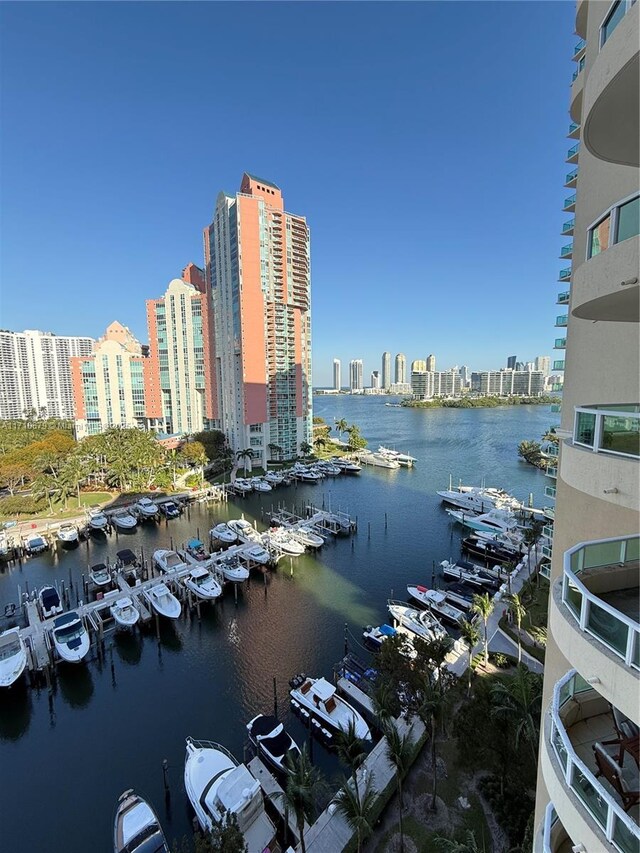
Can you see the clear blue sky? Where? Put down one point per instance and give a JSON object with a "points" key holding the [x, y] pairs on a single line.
{"points": [[424, 142]]}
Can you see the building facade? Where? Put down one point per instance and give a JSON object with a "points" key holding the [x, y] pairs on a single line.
{"points": [[431, 363], [543, 363], [258, 281], [356, 375], [443, 383], [508, 383], [401, 369], [419, 365], [35, 373], [375, 379], [386, 370], [337, 374], [511, 362], [587, 772]]}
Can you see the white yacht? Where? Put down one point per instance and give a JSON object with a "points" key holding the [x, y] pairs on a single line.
{"points": [[494, 521], [347, 466], [257, 554], [419, 622], [232, 570], [287, 543], [306, 536], [124, 520], [260, 485], [242, 485], [378, 460], [377, 635], [13, 657], [136, 827], [271, 741], [320, 698], [68, 534], [468, 573], [146, 508], [169, 509], [70, 637], [98, 520], [36, 545], [50, 603], [402, 459], [162, 601], [124, 613], [329, 469], [244, 530], [273, 478], [478, 498], [203, 584], [223, 533], [100, 574], [437, 603], [216, 783], [169, 561]]}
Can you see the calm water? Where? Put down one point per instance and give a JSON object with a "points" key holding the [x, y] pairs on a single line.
{"points": [[66, 755]]}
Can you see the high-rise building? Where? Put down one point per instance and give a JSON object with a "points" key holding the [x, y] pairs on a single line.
{"points": [[258, 276], [588, 776], [507, 383], [375, 379], [179, 350], [35, 373], [419, 365], [110, 385], [511, 362], [543, 363], [443, 383], [401, 369], [431, 363], [465, 374], [337, 374], [356, 374], [386, 370]]}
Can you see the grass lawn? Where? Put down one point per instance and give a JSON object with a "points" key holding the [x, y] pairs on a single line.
{"points": [[87, 499], [536, 601]]}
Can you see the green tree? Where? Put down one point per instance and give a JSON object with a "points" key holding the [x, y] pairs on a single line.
{"points": [[246, 454], [356, 441], [275, 450], [341, 426], [399, 752], [73, 473], [44, 486], [351, 750], [303, 784], [470, 636], [432, 711], [517, 701], [468, 845], [320, 441], [13, 474], [483, 605], [305, 448], [531, 537], [356, 809], [517, 612], [531, 452]]}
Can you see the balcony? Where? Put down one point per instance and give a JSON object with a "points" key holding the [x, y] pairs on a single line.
{"points": [[546, 551], [567, 251], [552, 472], [577, 719], [563, 298], [577, 93], [580, 67], [555, 408], [572, 153], [559, 364], [565, 274], [609, 428], [550, 492], [553, 451], [562, 320], [560, 343], [547, 531], [558, 387], [569, 204], [606, 286], [571, 179], [567, 228], [579, 50]]}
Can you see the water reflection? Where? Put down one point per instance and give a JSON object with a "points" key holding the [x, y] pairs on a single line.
{"points": [[128, 645], [15, 710], [76, 684]]}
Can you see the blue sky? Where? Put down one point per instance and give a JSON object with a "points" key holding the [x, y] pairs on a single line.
{"points": [[424, 142]]}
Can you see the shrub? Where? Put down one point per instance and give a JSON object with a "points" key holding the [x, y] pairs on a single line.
{"points": [[511, 805], [21, 505]]}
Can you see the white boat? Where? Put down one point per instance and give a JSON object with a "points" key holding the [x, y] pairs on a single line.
{"points": [[260, 485], [216, 783], [242, 485], [232, 570], [136, 827], [378, 460], [36, 545], [320, 698], [100, 574], [146, 508], [257, 554], [419, 622], [203, 584], [306, 474], [347, 466], [13, 657], [306, 536], [169, 561], [223, 533], [401, 458], [98, 520], [377, 635], [468, 573], [287, 543], [437, 603], [68, 533], [124, 613], [245, 531], [50, 603], [169, 509], [494, 521], [459, 595], [271, 741], [124, 520], [70, 637], [273, 478], [329, 468], [162, 601]]}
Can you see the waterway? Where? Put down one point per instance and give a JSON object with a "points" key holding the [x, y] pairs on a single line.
{"points": [[67, 753]]}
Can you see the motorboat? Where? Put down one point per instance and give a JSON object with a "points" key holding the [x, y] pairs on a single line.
{"points": [[329, 469], [467, 573], [402, 459], [491, 550], [169, 509], [272, 742], [459, 595], [223, 533], [70, 637], [437, 603], [273, 478], [126, 559], [124, 612], [217, 783], [98, 520], [50, 603], [287, 543], [306, 536], [260, 485], [169, 561], [36, 545], [376, 636], [347, 466], [244, 530], [307, 475], [378, 460], [146, 508], [321, 700], [495, 521], [162, 601], [13, 657], [478, 498], [203, 584], [419, 622], [136, 827], [195, 550], [68, 534], [257, 554], [100, 574], [242, 485], [232, 570], [124, 520]]}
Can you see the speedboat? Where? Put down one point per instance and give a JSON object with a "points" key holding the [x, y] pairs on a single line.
{"points": [[379, 460], [288, 544], [203, 584], [306, 536], [68, 534], [146, 508], [223, 533], [136, 827], [169, 561], [100, 574], [70, 637], [126, 558], [347, 466], [36, 545], [460, 595], [273, 478], [495, 521], [124, 613], [124, 520], [242, 485], [169, 509], [217, 783], [50, 604], [13, 657], [419, 622], [231, 569], [271, 741], [468, 573], [98, 520], [401, 458], [260, 485], [377, 636], [162, 601], [245, 531], [257, 554], [194, 551], [437, 602], [491, 550], [321, 700]]}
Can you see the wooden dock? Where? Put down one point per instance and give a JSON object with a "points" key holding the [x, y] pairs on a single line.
{"points": [[274, 793]]}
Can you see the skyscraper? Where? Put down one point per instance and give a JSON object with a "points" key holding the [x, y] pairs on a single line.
{"points": [[257, 266], [419, 365], [386, 370], [431, 363], [543, 363], [401, 368], [511, 362], [375, 379], [337, 374], [355, 375], [587, 774]]}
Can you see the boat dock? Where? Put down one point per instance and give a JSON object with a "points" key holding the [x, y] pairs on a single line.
{"points": [[274, 794]]}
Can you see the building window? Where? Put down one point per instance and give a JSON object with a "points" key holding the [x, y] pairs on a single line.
{"points": [[615, 15], [599, 237], [620, 223], [628, 220]]}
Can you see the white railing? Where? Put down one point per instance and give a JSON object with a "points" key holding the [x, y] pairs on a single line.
{"points": [[619, 829], [550, 817], [628, 424], [615, 630]]}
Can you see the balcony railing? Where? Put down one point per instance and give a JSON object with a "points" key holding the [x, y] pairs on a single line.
{"points": [[567, 251], [569, 204], [572, 153], [571, 178], [619, 829], [562, 319], [550, 492], [555, 408], [560, 343], [552, 472], [567, 228], [574, 76], [574, 131], [565, 274], [547, 531], [577, 50], [595, 616], [558, 388], [609, 428], [552, 450], [558, 365], [563, 298], [546, 551]]}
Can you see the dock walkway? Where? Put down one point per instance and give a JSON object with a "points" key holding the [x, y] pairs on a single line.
{"points": [[274, 793]]}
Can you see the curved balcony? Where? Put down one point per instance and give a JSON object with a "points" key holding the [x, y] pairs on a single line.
{"points": [[606, 286], [567, 228], [553, 837], [577, 93], [612, 94], [581, 18], [588, 805]]}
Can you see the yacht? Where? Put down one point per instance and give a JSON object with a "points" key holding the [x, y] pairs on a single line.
{"points": [[162, 601], [347, 466], [169, 509], [468, 573], [223, 533], [320, 699], [203, 584], [70, 637], [146, 508], [478, 498], [245, 531], [124, 520], [329, 469], [36, 545], [169, 561], [437, 603], [273, 478], [419, 622], [460, 595], [100, 574], [494, 521], [257, 554], [287, 543], [13, 657], [377, 636], [260, 485], [307, 475], [216, 783], [402, 459], [242, 485], [68, 534], [491, 550], [136, 827], [98, 520], [126, 559], [306, 536], [271, 741], [124, 613], [50, 604], [378, 460], [232, 570]]}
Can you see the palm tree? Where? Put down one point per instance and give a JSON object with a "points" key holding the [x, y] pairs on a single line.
{"points": [[274, 449], [305, 448], [385, 701], [244, 455], [73, 473], [470, 637], [302, 786], [43, 486], [351, 750], [483, 606], [518, 700], [398, 751], [530, 538], [469, 845], [357, 809], [341, 426], [320, 441], [432, 711], [517, 611]]}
